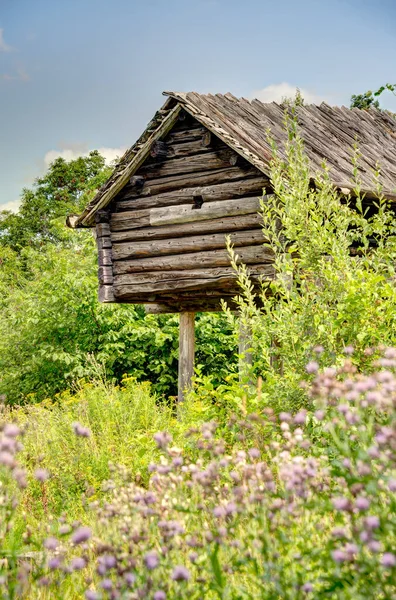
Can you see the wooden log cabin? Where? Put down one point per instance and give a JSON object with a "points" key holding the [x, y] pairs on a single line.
{"points": [[196, 175]]}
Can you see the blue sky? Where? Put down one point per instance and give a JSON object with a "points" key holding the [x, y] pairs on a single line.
{"points": [[78, 75]]}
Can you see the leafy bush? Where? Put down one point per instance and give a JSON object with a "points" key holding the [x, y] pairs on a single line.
{"points": [[54, 332]]}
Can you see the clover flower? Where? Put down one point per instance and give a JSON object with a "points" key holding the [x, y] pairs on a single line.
{"points": [[180, 573]]}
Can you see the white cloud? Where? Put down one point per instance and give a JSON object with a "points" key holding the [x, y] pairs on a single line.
{"points": [[12, 206], [3, 46], [276, 92], [19, 75], [74, 151]]}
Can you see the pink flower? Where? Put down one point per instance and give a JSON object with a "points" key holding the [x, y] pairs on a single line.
{"points": [[362, 503]]}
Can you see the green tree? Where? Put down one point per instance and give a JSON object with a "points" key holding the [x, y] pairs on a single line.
{"points": [[369, 98], [64, 189]]}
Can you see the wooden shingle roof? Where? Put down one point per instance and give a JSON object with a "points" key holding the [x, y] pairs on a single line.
{"points": [[329, 134]]}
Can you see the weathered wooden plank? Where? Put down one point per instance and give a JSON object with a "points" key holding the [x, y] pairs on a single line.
{"points": [[188, 164], [209, 193], [171, 308], [187, 213], [227, 225], [186, 244], [105, 257], [105, 275], [190, 148], [193, 260], [102, 230], [106, 293], [103, 242], [186, 135], [162, 282], [130, 220], [186, 353], [176, 182]]}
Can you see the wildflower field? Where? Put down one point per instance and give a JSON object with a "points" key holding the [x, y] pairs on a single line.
{"points": [[281, 485]]}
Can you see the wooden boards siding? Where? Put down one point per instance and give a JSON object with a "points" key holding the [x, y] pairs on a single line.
{"points": [[164, 241]]}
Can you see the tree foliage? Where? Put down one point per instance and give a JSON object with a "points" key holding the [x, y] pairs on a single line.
{"points": [[369, 98]]}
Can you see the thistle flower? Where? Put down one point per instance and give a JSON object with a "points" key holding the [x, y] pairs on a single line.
{"points": [[41, 475], [92, 595], [312, 367], [180, 573], [162, 439], [338, 556], [362, 503], [11, 430], [151, 560], [372, 522], [341, 503], [82, 534], [81, 431], [78, 563], [51, 543], [388, 560]]}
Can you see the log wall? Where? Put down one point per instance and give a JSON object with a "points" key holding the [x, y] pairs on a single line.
{"points": [[162, 239]]}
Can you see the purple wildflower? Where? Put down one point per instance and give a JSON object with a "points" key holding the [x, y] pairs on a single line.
{"points": [[78, 563], [312, 367], [81, 431], [151, 560], [129, 579], [300, 417], [338, 556], [107, 584], [160, 595], [54, 563], [162, 439], [341, 503], [388, 560], [82, 534], [372, 522], [362, 503], [51, 543], [41, 475], [7, 459], [307, 587], [92, 595], [180, 573], [392, 485], [11, 430]]}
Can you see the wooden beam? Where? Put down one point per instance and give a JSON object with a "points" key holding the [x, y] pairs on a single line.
{"points": [[222, 191], [177, 182], [106, 293], [226, 225], [248, 255], [186, 353], [187, 213], [188, 164], [196, 243], [153, 282]]}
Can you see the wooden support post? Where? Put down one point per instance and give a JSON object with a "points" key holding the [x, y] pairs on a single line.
{"points": [[244, 351], [186, 352]]}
